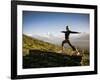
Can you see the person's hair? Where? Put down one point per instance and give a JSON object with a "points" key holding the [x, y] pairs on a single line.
{"points": [[67, 28]]}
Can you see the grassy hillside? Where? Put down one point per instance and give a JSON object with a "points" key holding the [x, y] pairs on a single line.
{"points": [[30, 43]]}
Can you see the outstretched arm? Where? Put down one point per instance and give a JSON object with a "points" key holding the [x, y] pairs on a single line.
{"points": [[63, 31], [74, 32]]}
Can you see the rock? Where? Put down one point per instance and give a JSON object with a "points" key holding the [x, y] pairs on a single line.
{"points": [[42, 59]]}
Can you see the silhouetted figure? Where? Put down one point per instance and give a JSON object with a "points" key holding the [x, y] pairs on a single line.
{"points": [[67, 33]]}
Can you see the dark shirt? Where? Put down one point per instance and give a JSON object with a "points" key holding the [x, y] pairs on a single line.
{"points": [[67, 33]]}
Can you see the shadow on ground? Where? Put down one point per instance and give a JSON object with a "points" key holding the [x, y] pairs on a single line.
{"points": [[42, 59]]}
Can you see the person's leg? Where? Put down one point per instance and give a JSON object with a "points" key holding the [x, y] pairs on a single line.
{"points": [[73, 48], [63, 42]]}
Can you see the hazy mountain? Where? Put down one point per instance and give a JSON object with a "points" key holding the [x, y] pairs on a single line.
{"points": [[48, 38], [79, 40]]}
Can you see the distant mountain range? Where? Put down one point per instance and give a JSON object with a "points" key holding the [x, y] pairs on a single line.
{"points": [[79, 40]]}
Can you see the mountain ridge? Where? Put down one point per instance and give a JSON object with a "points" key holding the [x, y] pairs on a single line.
{"points": [[33, 43], [76, 39]]}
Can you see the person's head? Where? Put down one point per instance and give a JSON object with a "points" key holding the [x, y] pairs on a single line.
{"points": [[67, 28]]}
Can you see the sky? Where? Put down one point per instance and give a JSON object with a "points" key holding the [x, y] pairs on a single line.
{"points": [[54, 22]]}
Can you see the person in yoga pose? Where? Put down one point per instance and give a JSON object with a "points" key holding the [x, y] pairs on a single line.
{"points": [[67, 33]]}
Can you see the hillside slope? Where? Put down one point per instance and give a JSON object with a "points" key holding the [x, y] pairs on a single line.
{"points": [[33, 43]]}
